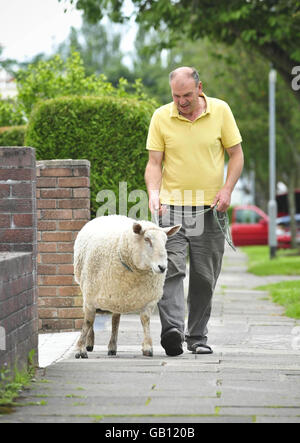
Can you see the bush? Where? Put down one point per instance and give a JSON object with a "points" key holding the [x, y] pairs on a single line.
{"points": [[12, 136], [10, 113], [110, 132], [54, 78]]}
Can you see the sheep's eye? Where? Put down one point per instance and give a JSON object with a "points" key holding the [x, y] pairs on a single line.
{"points": [[147, 240]]}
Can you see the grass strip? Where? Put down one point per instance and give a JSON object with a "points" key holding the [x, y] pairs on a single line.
{"points": [[285, 262], [286, 294]]}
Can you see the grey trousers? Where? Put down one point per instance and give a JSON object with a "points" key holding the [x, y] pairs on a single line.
{"points": [[201, 240]]}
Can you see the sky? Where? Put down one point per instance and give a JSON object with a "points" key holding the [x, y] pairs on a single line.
{"points": [[29, 27]]}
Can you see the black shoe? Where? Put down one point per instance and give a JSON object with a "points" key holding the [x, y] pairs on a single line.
{"points": [[171, 341], [199, 348]]}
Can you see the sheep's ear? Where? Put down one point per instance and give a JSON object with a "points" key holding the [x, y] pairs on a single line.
{"points": [[172, 230], [137, 228]]}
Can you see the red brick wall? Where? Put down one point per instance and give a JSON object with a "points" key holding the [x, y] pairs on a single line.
{"points": [[18, 308], [18, 248], [63, 207], [17, 200]]}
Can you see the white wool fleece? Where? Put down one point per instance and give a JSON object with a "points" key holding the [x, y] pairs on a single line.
{"points": [[101, 247]]}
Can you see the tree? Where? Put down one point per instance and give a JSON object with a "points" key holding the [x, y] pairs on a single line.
{"points": [[272, 27], [8, 64], [99, 48], [151, 66], [55, 78], [10, 112]]}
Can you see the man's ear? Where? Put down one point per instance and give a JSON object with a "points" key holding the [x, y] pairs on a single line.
{"points": [[172, 230]]}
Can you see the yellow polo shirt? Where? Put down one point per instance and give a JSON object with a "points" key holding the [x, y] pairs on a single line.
{"points": [[193, 162]]}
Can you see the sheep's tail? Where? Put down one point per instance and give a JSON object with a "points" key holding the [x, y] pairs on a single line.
{"points": [[78, 260], [77, 268]]}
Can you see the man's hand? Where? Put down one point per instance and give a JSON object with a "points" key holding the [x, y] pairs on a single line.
{"points": [[234, 170], [222, 200], [154, 202], [153, 176]]}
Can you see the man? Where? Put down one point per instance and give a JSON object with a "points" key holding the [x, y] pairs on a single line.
{"points": [[186, 141]]}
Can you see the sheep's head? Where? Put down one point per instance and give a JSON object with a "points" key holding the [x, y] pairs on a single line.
{"points": [[151, 250]]}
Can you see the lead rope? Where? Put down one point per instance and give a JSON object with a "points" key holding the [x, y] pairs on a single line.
{"points": [[223, 223], [225, 228]]}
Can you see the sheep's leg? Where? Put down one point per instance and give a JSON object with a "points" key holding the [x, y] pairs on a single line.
{"points": [[90, 339], [147, 343], [112, 346], [89, 317]]}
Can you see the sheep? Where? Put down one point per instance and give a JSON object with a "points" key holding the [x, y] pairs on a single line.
{"points": [[120, 265]]}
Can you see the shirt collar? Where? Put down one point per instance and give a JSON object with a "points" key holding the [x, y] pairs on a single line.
{"points": [[174, 111]]}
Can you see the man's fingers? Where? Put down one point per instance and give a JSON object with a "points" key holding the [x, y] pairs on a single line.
{"points": [[154, 203], [214, 203], [222, 206], [154, 207], [221, 201]]}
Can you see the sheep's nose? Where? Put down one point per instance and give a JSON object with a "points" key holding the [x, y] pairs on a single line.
{"points": [[162, 268]]}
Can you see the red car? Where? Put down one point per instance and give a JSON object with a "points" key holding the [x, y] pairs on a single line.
{"points": [[250, 227]]}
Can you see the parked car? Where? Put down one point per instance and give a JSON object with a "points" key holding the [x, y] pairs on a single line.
{"points": [[284, 231], [250, 227]]}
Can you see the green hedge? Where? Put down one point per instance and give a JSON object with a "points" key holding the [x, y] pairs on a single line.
{"points": [[110, 132], [13, 136]]}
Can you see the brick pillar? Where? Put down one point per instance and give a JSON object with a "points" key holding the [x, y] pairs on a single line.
{"points": [[63, 202], [17, 200], [18, 249]]}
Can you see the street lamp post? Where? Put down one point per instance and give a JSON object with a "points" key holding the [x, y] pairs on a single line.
{"points": [[272, 205]]}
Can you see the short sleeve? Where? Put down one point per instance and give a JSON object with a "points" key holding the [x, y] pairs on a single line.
{"points": [[230, 134], [155, 140]]}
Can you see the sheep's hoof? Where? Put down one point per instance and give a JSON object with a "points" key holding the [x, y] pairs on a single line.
{"points": [[112, 352], [81, 355], [89, 348], [148, 353]]}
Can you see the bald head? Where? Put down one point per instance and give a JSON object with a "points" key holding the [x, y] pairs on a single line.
{"points": [[186, 90], [184, 73]]}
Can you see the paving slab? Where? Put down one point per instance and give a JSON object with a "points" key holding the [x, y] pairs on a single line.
{"points": [[252, 377], [258, 411]]}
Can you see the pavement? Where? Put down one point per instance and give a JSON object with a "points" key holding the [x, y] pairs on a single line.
{"points": [[252, 377]]}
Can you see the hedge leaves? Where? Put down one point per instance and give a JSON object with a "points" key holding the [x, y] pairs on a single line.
{"points": [[108, 131]]}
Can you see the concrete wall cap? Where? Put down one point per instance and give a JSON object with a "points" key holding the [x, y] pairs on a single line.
{"points": [[62, 163]]}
